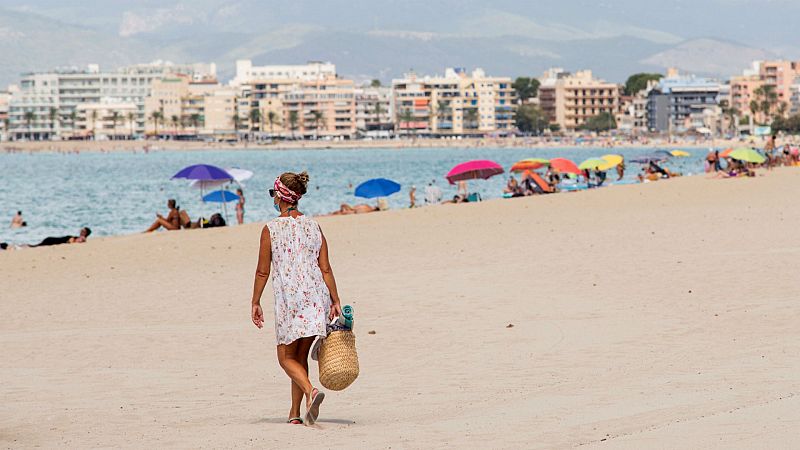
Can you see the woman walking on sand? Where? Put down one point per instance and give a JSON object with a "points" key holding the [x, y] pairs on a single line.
{"points": [[293, 246]]}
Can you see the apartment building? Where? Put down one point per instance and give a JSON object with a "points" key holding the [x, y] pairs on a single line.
{"points": [[679, 104], [570, 99], [179, 106], [780, 76], [458, 103], [247, 73], [45, 107], [374, 107], [5, 98]]}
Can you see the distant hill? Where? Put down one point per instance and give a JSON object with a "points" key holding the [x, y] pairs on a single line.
{"points": [[364, 44]]}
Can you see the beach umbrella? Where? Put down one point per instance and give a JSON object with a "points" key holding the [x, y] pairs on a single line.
{"points": [[239, 176], [529, 164], [725, 153], [377, 187], [564, 165], [205, 172], [474, 170], [663, 153], [220, 196], [748, 155], [647, 159], [592, 163], [680, 153], [611, 161]]}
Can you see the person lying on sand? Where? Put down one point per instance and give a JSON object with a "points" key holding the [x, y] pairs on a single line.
{"points": [[82, 236], [171, 222], [362, 208]]}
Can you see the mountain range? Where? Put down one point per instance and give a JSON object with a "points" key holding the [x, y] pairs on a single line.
{"points": [[385, 38]]}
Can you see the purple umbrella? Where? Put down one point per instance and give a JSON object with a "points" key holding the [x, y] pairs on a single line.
{"points": [[204, 172]]}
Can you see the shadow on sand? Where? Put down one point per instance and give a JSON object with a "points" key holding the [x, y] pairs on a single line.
{"points": [[283, 421]]}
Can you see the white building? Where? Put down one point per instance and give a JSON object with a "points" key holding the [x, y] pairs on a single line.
{"points": [[246, 72], [374, 108], [45, 107]]}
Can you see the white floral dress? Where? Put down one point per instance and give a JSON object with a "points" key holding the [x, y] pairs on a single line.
{"points": [[302, 300]]}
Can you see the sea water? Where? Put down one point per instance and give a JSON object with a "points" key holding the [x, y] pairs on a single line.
{"points": [[120, 193]]}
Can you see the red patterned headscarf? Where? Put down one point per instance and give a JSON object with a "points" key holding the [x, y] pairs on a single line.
{"points": [[286, 194]]}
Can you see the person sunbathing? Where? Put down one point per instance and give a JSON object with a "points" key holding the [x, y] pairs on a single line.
{"points": [[82, 236], [171, 222], [362, 208]]}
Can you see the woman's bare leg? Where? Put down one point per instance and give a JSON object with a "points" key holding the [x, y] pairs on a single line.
{"points": [[289, 358], [161, 222], [297, 392]]}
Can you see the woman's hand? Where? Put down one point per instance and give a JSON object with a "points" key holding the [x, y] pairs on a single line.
{"points": [[336, 311], [257, 315]]}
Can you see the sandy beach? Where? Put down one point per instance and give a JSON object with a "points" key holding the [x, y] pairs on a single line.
{"points": [[661, 315], [121, 146]]}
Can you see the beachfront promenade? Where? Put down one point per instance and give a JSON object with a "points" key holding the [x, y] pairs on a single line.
{"points": [[651, 315]]}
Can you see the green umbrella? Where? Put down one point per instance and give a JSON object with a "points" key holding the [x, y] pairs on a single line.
{"points": [[593, 163], [747, 155]]}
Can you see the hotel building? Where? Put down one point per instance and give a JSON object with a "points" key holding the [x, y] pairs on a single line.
{"points": [[45, 107], [458, 103], [570, 99], [683, 103], [780, 75]]}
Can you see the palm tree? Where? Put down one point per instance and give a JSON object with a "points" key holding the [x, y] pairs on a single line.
{"points": [[195, 120], [406, 117], [131, 121], [378, 109], [272, 119], [317, 117], [155, 117], [255, 117], [114, 119], [236, 123], [293, 119], [29, 118], [175, 120], [53, 115], [73, 116], [443, 110], [767, 98], [471, 118], [94, 121]]}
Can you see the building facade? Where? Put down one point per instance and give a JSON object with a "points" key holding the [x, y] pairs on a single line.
{"points": [[679, 104], [458, 103], [106, 120], [45, 107], [569, 100], [374, 109], [778, 76]]}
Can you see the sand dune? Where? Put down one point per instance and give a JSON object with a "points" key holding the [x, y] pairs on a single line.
{"points": [[658, 315]]}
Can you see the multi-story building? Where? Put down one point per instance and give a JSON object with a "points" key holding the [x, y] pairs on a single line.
{"points": [[180, 106], [5, 97], [779, 76], [458, 103], [374, 110], [247, 73], [569, 100], [682, 103], [46, 105]]}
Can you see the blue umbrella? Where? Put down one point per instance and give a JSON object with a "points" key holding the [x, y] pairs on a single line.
{"points": [[221, 197], [377, 187], [205, 172]]}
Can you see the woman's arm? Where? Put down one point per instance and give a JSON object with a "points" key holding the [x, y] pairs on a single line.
{"points": [[262, 275], [327, 276]]}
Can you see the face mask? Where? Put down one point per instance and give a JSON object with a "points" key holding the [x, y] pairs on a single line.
{"points": [[277, 208]]}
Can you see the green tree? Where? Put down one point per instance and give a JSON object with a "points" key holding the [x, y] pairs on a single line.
{"points": [[602, 122], [156, 117], [375, 83], [272, 119], [255, 118], [131, 122], [471, 118], [767, 98], [317, 117], [53, 115], [406, 117], [29, 118], [790, 125], [175, 121], [378, 110], [94, 123], [526, 88], [114, 119], [638, 82], [531, 119], [73, 117], [293, 120], [195, 120]]}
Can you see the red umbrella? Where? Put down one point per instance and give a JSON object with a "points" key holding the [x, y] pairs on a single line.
{"points": [[564, 165], [473, 170]]}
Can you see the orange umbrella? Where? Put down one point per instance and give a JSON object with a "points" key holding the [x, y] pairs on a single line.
{"points": [[564, 165], [529, 164], [726, 152]]}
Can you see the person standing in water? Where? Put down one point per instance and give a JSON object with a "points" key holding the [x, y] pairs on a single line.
{"points": [[294, 248], [240, 207], [412, 197], [17, 221]]}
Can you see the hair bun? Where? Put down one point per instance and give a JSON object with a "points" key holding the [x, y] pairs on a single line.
{"points": [[303, 177]]}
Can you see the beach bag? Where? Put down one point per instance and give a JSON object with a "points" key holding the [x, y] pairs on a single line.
{"points": [[338, 361]]}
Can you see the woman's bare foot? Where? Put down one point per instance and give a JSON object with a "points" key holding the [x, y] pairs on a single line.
{"points": [[312, 406]]}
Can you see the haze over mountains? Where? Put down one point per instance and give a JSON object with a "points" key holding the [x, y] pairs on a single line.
{"points": [[384, 38]]}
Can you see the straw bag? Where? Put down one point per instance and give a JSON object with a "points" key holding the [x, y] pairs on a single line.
{"points": [[338, 361]]}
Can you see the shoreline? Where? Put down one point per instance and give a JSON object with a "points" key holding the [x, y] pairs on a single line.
{"points": [[493, 143]]}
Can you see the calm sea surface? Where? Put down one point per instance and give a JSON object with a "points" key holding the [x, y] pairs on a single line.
{"points": [[120, 193]]}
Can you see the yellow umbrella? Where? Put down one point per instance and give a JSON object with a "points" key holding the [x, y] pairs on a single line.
{"points": [[612, 161], [679, 153]]}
